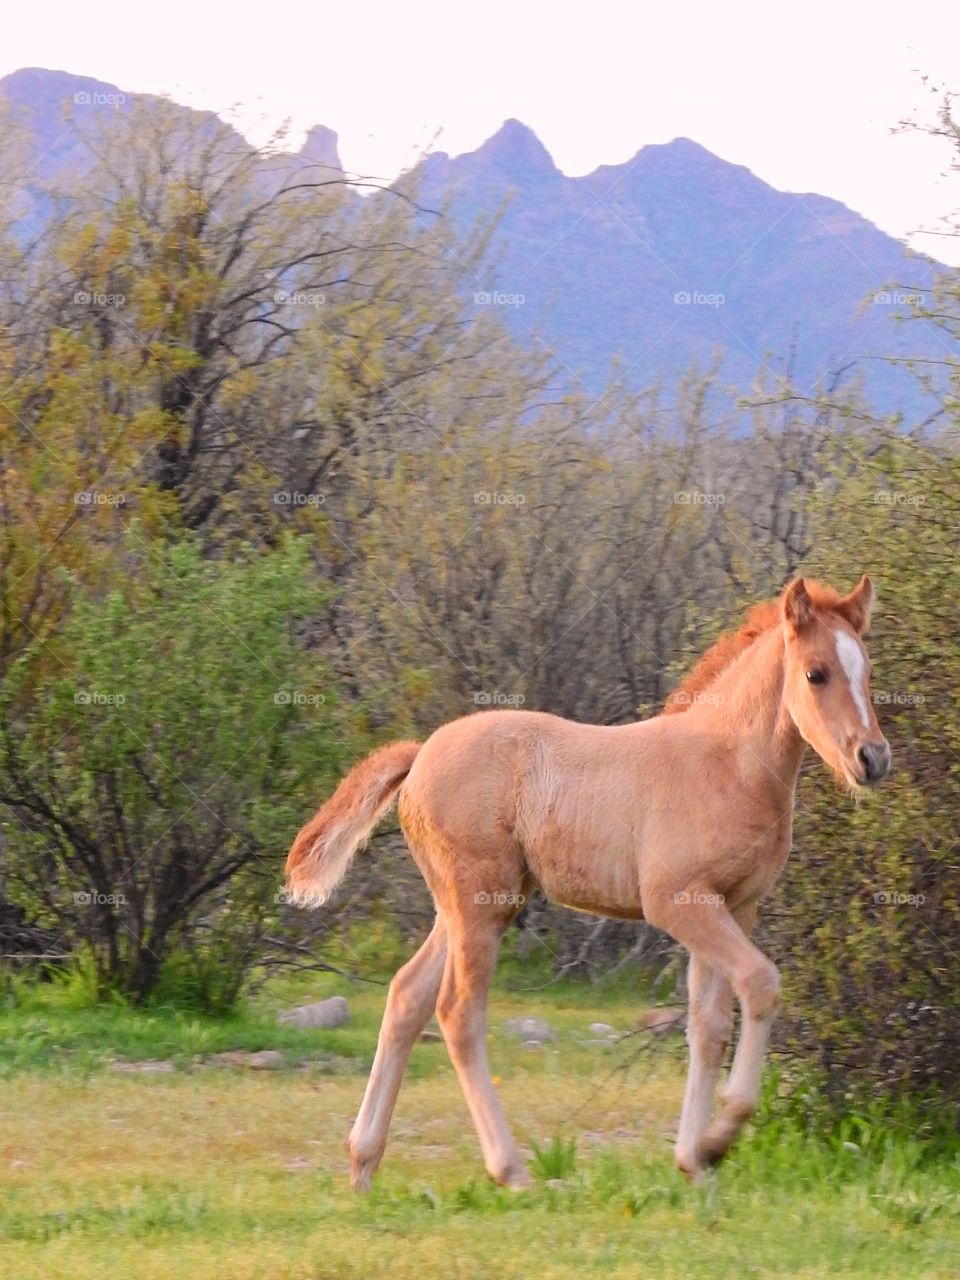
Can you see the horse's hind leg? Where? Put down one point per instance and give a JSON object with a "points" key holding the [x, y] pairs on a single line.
{"points": [[710, 1025], [411, 1001], [462, 1013]]}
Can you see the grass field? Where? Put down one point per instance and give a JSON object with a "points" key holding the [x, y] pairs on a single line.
{"points": [[215, 1172]]}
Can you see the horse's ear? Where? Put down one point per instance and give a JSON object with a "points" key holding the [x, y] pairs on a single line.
{"points": [[797, 607], [857, 606]]}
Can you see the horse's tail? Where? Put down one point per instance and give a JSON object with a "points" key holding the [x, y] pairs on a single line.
{"points": [[325, 846]]}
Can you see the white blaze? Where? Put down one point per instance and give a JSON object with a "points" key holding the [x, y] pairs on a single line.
{"points": [[855, 669]]}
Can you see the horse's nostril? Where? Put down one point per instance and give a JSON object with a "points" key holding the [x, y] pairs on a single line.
{"points": [[875, 758]]}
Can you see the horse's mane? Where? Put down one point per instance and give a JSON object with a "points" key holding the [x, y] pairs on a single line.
{"points": [[730, 644]]}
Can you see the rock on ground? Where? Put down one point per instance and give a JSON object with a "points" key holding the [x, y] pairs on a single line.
{"points": [[325, 1014], [148, 1066], [265, 1060], [261, 1060], [529, 1029]]}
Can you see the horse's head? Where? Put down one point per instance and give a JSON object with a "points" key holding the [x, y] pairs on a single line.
{"points": [[827, 684]]}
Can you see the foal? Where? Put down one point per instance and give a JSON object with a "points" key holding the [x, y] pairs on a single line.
{"points": [[683, 820]]}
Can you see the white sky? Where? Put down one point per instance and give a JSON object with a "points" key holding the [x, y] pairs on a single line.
{"points": [[805, 95]]}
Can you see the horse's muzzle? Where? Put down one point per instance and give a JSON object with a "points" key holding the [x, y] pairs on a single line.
{"points": [[875, 759]]}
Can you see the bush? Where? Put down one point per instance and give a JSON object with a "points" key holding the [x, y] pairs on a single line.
{"points": [[867, 918], [156, 757]]}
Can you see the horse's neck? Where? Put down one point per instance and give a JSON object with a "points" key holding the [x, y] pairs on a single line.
{"points": [[750, 705]]}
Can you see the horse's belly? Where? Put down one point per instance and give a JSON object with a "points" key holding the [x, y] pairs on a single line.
{"points": [[602, 881]]}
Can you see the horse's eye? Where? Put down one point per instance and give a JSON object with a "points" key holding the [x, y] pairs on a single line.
{"points": [[817, 677]]}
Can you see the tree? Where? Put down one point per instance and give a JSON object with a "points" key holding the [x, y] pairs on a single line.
{"points": [[155, 762]]}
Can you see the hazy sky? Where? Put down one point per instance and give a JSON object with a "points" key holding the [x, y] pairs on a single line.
{"points": [[804, 95]]}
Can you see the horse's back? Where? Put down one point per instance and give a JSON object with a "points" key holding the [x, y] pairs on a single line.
{"points": [[514, 793]]}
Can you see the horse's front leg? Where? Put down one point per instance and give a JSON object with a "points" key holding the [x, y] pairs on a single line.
{"points": [[700, 921]]}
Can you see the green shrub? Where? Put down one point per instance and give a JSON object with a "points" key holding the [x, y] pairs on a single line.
{"points": [[155, 762], [866, 921]]}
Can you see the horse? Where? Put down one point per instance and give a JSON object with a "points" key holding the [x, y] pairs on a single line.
{"points": [[683, 820]]}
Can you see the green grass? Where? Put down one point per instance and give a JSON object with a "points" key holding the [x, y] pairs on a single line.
{"points": [[56, 1027], [205, 1173], [555, 1161]]}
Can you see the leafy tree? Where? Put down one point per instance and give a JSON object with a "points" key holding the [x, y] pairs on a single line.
{"points": [[155, 762], [868, 916]]}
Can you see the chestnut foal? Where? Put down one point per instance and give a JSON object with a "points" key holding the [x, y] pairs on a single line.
{"points": [[682, 820]]}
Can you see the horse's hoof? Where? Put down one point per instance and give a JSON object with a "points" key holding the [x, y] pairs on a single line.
{"points": [[724, 1131], [516, 1178], [714, 1147], [362, 1170], [693, 1170], [361, 1175]]}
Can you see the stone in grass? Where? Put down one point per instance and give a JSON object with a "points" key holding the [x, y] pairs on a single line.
{"points": [[148, 1066], [529, 1029], [261, 1060], [601, 1029], [265, 1060], [229, 1058], [324, 1014]]}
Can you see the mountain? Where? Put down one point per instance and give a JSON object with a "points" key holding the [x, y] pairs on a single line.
{"points": [[677, 255], [43, 102], [320, 147], [55, 108], [674, 256]]}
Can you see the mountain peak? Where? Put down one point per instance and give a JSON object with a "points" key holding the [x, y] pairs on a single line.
{"points": [[683, 146], [682, 165], [683, 153], [516, 151], [37, 89], [320, 147]]}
